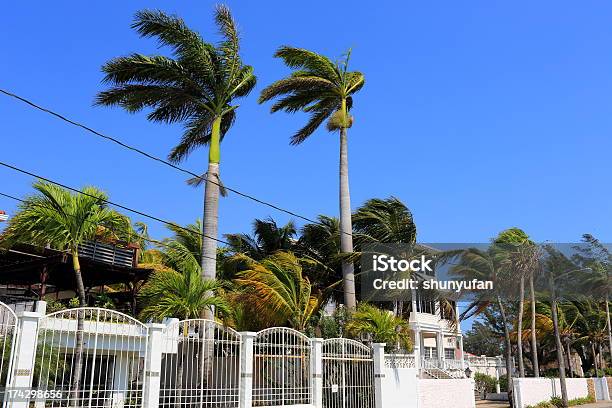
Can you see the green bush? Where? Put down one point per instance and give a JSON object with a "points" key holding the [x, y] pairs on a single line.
{"points": [[557, 402], [485, 383], [503, 384]]}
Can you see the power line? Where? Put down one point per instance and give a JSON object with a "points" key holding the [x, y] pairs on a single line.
{"points": [[153, 241], [160, 160], [123, 207]]}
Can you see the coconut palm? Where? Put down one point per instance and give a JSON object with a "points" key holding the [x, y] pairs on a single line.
{"points": [[379, 326], [325, 90], [197, 87], [276, 290], [56, 217]]}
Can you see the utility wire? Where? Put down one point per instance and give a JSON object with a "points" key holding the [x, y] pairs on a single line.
{"points": [[123, 207], [153, 241], [160, 160]]}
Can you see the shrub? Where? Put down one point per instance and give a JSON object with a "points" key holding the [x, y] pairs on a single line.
{"points": [[485, 383], [503, 384]]}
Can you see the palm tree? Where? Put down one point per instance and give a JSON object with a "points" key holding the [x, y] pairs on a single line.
{"points": [[176, 288], [323, 89], [488, 265], [384, 221], [276, 289], [196, 88], [595, 257], [63, 220], [379, 326], [523, 259], [267, 238]]}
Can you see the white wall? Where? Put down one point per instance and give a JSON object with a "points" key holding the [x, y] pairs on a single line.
{"points": [[399, 387], [446, 393], [531, 391]]}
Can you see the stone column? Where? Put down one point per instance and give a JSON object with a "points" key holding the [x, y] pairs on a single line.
{"points": [[316, 370], [379, 373], [152, 373]]}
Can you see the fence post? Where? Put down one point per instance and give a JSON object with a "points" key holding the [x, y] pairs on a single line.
{"points": [[379, 372], [152, 375], [24, 355], [316, 370], [246, 369]]}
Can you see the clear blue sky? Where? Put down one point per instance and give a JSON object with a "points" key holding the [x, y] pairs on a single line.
{"points": [[479, 115]]}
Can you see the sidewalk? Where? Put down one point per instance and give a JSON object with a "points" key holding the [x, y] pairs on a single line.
{"points": [[498, 404]]}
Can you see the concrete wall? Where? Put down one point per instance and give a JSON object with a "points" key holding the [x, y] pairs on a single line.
{"points": [[446, 393], [530, 391], [399, 387]]}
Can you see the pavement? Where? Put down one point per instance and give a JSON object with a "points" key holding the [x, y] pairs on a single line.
{"points": [[502, 404]]}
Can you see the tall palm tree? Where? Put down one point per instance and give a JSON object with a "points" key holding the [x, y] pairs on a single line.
{"points": [[56, 217], [523, 260], [325, 90], [596, 257], [197, 87], [488, 265], [276, 290]]}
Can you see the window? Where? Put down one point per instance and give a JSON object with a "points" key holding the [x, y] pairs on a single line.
{"points": [[431, 352], [449, 354]]}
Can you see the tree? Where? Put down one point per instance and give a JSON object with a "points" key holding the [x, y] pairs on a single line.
{"points": [[325, 90], [276, 289], [379, 326], [176, 288], [596, 257], [523, 260], [488, 265], [197, 87], [267, 238], [56, 217], [482, 340], [386, 221]]}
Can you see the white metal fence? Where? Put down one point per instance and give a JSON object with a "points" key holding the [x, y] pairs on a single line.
{"points": [[348, 374], [281, 368], [99, 358], [200, 365], [90, 357]]}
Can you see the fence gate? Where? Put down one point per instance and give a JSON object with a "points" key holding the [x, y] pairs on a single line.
{"points": [[8, 337], [281, 368], [348, 374], [200, 365], [90, 357]]}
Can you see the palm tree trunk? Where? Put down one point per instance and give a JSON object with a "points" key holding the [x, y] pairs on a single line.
{"points": [[594, 359], [534, 339], [211, 210], [509, 365], [558, 344], [79, 346], [346, 224], [519, 332], [601, 362], [569, 357], [608, 327]]}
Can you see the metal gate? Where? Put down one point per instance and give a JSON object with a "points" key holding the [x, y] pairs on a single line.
{"points": [[348, 374], [200, 365], [8, 338], [281, 368], [90, 357]]}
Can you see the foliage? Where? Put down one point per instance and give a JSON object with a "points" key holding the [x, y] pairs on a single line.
{"points": [[176, 288], [317, 86], [195, 86], [371, 324], [54, 305], [329, 326], [74, 303], [482, 340], [485, 383], [276, 289], [62, 219], [104, 301]]}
